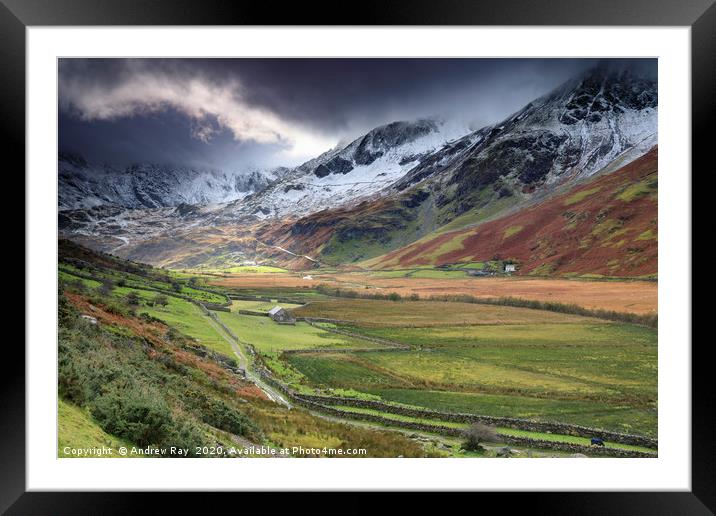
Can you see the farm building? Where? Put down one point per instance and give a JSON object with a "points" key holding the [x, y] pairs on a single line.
{"points": [[281, 315], [510, 267]]}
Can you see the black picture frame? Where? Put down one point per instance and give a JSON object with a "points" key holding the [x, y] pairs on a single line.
{"points": [[17, 15]]}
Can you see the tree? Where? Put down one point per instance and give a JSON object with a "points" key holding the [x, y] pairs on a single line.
{"points": [[133, 299], [106, 287], [161, 300], [394, 296], [476, 434]]}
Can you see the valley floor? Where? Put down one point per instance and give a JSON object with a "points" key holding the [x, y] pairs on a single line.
{"points": [[619, 295], [404, 375]]}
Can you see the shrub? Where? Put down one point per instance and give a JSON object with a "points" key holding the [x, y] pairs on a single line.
{"points": [[187, 434], [224, 417], [106, 288], [476, 434], [78, 285], [161, 300], [136, 414], [133, 299]]}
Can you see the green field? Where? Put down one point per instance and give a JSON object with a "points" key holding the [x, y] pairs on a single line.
{"points": [[166, 282], [457, 384], [547, 334], [379, 313], [179, 313], [88, 283], [621, 418], [188, 319], [441, 371], [495, 360], [267, 336], [344, 371]]}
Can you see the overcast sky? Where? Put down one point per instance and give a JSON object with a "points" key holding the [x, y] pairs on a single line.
{"points": [[240, 113]]}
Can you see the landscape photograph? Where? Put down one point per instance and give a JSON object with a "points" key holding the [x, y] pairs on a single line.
{"points": [[357, 257]]}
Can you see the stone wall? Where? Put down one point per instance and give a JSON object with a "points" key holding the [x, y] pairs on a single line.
{"points": [[215, 307], [457, 432], [342, 350], [253, 312], [220, 323], [519, 424], [375, 340], [227, 301], [316, 403], [577, 448]]}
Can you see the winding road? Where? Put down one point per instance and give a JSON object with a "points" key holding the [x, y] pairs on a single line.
{"points": [[246, 365]]}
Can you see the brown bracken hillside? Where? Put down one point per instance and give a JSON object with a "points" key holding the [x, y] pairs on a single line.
{"points": [[607, 226]]}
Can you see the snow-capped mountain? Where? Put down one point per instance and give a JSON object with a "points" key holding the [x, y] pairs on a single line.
{"points": [[386, 189], [595, 123], [347, 174], [606, 117], [86, 185]]}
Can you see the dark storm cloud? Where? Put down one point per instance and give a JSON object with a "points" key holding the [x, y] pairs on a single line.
{"points": [[233, 112]]}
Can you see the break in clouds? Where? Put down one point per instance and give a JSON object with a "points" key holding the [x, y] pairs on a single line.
{"points": [[238, 113]]}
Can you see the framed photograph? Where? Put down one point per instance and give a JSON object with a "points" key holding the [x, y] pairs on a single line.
{"points": [[422, 240]]}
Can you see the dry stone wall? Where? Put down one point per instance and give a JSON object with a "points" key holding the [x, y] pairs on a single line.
{"points": [[519, 424]]}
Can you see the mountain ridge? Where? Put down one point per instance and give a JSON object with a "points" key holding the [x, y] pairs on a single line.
{"points": [[506, 166], [397, 183], [148, 185]]}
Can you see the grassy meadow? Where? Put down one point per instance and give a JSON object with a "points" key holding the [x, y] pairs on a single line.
{"points": [[494, 360], [482, 359]]}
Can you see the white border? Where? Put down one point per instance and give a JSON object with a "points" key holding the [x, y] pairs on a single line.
{"points": [[671, 471]]}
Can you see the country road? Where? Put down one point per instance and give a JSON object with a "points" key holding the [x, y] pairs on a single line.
{"points": [[245, 364]]}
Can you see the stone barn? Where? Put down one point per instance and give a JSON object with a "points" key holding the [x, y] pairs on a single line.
{"points": [[281, 315]]}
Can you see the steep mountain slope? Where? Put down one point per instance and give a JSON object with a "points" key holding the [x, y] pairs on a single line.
{"points": [[346, 174], [85, 185], [592, 124], [606, 226], [168, 227]]}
